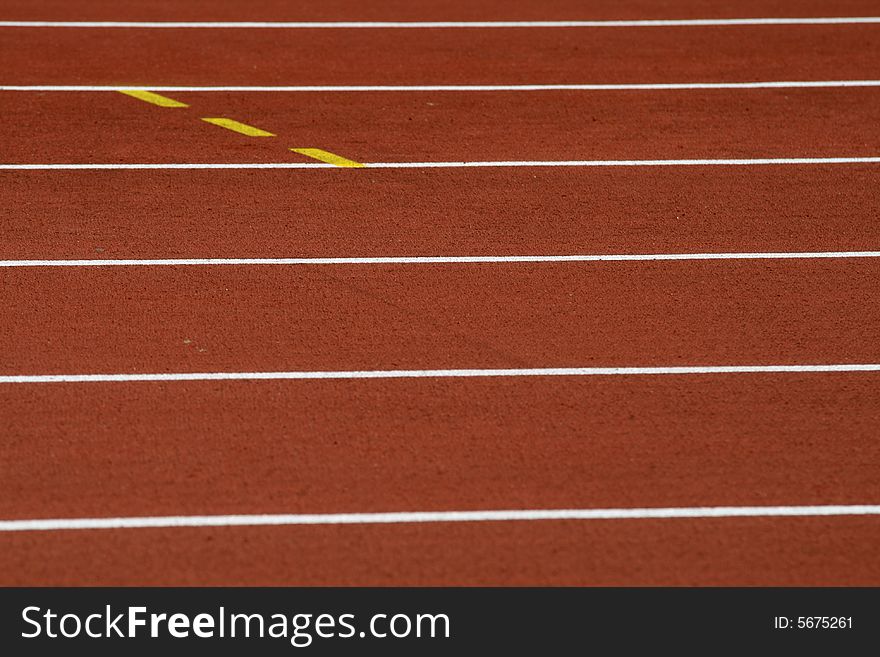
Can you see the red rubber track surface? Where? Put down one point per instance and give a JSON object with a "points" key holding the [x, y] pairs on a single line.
{"points": [[364, 446], [132, 449], [438, 56], [424, 10], [204, 214], [756, 552], [418, 127], [454, 316]]}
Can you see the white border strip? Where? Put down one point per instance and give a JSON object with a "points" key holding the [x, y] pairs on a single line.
{"points": [[439, 260], [695, 22], [452, 165], [438, 374], [263, 520], [650, 86]]}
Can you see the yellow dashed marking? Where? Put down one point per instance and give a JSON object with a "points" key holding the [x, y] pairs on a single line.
{"points": [[150, 97], [242, 128], [324, 156]]}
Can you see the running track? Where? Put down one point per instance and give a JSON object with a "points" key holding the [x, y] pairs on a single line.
{"points": [[706, 206]]}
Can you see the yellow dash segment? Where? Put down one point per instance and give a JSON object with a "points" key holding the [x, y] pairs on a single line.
{"points": [[150, 97], [242, 128], [324, 156]]}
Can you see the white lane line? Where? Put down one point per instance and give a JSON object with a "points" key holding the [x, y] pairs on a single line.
{"points": [[648, 86], [630, 163], [440, 260], [429, 374], [517, 515], [171, 165], [454, 165], [695, 22]]}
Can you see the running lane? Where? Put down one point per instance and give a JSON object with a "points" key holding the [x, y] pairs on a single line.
{"points": [[135, 56], [424, 10], [382, 212], [193, 448], [450, 316], [729, 552], [444, 126]]}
